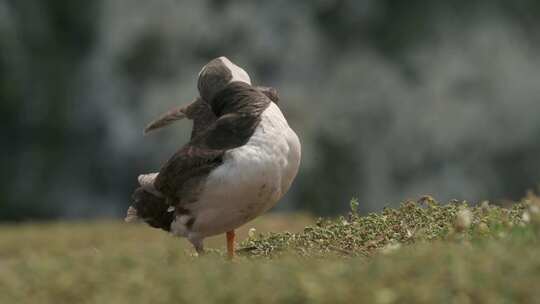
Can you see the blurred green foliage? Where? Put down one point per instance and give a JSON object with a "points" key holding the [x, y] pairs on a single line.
{"points": [[75, 76]]}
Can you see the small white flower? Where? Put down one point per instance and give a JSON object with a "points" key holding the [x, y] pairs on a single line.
{"points": [[409, 234], [251, 232], [484, 205], [526, 217], [464, 219]]}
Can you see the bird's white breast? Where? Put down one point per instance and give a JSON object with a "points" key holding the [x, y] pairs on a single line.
{"points": [[251, 179]]}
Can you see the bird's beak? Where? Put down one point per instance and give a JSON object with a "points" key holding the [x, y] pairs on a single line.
{"points": [[270, 92], [170, 116]]}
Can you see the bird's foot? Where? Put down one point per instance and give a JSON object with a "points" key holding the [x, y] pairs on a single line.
{"points": [[230, 244], [198, 244]]}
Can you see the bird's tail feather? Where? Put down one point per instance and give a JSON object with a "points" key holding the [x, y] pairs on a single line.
{"points": [[131, 215], [146, 181], [150, 208]]}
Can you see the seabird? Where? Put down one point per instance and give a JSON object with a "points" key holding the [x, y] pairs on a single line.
{"points": [[200, 112], [241, 159]]}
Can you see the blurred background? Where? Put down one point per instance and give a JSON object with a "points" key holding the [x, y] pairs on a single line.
{"points": [[391, 99]]}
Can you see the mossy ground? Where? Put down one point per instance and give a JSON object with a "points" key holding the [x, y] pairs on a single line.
{"points": [[421, 252]]}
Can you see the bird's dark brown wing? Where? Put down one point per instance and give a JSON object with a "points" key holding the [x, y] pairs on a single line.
{"points": [[180, 178], [200, 112]]}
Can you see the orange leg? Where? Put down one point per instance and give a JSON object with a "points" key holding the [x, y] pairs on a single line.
{"points": [[230, 244]]}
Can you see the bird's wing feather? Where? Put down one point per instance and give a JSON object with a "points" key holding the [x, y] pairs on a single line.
{"points": [[198, 111], [166, 119], [181, 177]]}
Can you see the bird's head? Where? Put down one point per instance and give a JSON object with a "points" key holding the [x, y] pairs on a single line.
{"points": [[217, 74]]}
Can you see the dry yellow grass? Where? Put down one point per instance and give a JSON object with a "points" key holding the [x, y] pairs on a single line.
{"points": [[462, 255], [58, 238]]}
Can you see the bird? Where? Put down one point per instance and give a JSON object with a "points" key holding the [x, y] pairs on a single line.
{"points": [[199, 112], [241, 159]]}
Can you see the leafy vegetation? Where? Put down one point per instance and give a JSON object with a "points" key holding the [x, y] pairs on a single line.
{"points": [[421, 252], [413, 222]]}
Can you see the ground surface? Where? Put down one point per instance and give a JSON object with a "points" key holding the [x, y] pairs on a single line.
{"points": [[422, 252]]}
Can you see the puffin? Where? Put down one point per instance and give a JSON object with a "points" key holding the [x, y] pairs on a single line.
{"points": [[241, 159]]}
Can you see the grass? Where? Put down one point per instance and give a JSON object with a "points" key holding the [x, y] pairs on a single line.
{"points": [[421, 252]]}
